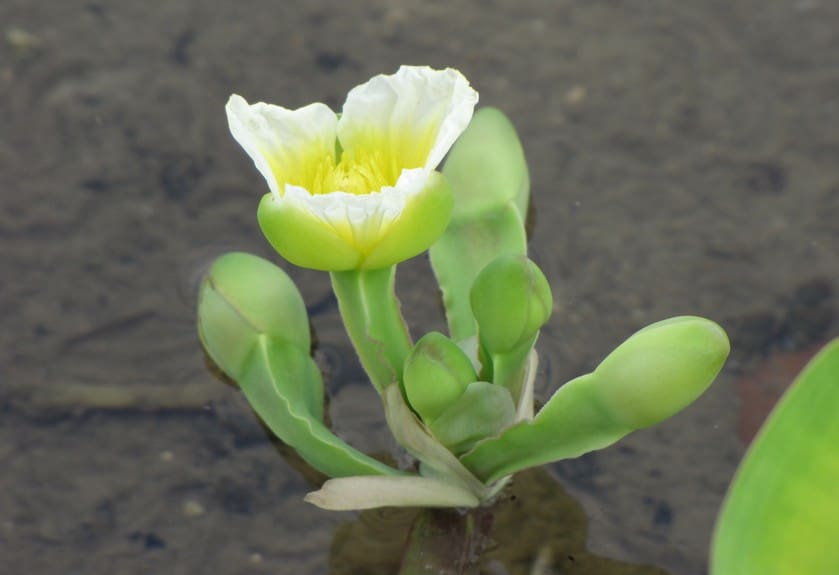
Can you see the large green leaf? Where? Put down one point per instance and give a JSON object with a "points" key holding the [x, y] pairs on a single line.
{"points": [[571, 424], [241, 298], [487, 168], [781, 514], [279, 382], [253, 324], [649, 377], [488, 174], [463, 251]]}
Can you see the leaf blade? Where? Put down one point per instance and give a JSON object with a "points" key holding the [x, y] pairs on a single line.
{"points": [[276, 385], [349, 493], [780, 512]]}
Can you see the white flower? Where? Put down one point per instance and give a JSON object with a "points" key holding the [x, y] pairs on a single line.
{"points": [[359, 191]]}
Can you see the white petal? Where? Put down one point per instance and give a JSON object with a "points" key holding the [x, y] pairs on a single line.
{"points": [[416, 114], [369, 492], [284, 144], [361, 219]]}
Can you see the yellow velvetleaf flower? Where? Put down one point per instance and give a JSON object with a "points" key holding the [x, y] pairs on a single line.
{"points": [[359, 191]]}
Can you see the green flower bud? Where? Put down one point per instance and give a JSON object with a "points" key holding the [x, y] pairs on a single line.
{"points": [[242, 298], [511, 299], [661, 369], [436, 373]]}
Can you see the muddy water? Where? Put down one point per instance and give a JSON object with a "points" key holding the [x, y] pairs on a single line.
{"points": [[683, 159]]}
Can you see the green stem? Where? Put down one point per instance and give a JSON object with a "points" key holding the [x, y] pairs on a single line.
{"points": [[508, 369], [372, 317]]}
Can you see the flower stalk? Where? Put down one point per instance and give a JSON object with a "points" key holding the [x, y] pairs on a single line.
{"points": [[373, 319]]}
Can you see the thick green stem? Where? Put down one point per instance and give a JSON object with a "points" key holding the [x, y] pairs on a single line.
{"points": [[374, 322]]}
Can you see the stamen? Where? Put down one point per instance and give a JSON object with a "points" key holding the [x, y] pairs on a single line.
{"points": [[360, 174]]}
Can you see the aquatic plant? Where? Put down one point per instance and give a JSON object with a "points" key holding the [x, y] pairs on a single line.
{"points": [[355, 195]]}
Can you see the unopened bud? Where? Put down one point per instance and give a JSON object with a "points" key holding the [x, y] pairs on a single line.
{"points": [[511, 300], [436, 374]]}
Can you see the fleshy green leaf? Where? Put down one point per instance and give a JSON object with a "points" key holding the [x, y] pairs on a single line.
{"points": [[277, 383], [486, 167], [463, 251], [483, 410], [437, 461], [781, 514], [241, 298], [253, 324], [661, 369], [487, 171], [369, 492], [651, 376], [571, 424]]}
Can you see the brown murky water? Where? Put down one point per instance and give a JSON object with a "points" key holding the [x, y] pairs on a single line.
{"points": [[683, 158]]}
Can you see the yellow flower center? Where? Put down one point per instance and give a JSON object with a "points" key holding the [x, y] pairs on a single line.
{"points": [[372, 164], [361, 174]]}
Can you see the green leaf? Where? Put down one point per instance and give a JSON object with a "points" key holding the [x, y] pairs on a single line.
{"points": [[241, 298], [463, 251], [279, 383], [651, 376], [487, 168], [253, 324], [437, 461], [483, 410], [781, 514], [661, 369], [571, 424], [488, 173]]}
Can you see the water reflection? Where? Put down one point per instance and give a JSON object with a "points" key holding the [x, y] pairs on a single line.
{"points": [[538, 528]]}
